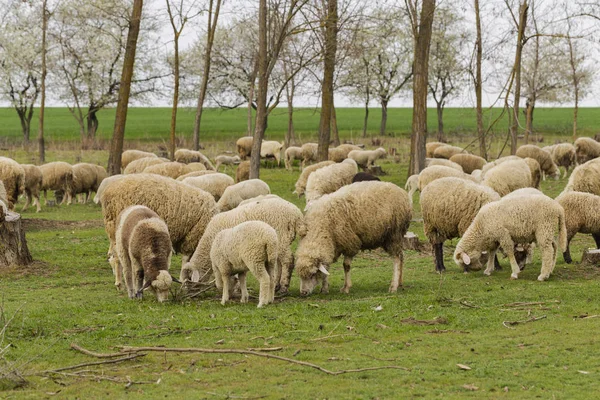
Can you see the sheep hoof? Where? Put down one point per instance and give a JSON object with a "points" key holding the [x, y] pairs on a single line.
{"points": [[514, 276], [260, 305], [345, 289], [139, 295], [542, 277], [393, 289], [487, 273]]}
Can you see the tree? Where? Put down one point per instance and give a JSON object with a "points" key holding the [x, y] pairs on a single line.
{"points": [[477, 80], [327, 83], [41, 144], [116, 148], [421, 23]]}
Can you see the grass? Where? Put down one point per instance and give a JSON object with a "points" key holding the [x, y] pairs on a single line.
{"points": [[68, 296]]}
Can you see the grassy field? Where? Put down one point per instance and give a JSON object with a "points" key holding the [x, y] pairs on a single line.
{"points": [[67, 296]]}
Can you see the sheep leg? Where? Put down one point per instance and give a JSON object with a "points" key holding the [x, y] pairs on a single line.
{"points": [[27, 200], [225, 280], [36, 203], [397, 278], [347, 280], [128, 267], [548, 250], [596, 237], [45, 197], [265, 281], [271, 268], [325, 285], [508, 246], [285, 268], [438, 255], [244, 288], [491, 262], [567, 252]]}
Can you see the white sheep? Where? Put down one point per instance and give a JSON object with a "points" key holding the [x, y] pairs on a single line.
{"points": [[581, 215], [190, 156], [233, 195], [430, 162], [85, 181], [367, 158], [195, 173], [215, 184], [271, 148], [56, 176], [250, 246], [143, 247], [585, 178], [542, 157], [170, 169], [586, 149], [300, 186], [309, 153], [431, 147], [129, 156], [469, 162], [514, 220], [564, 155], [13, 177], [508, 176], [329, 179], [242, 173], [292, 153], [33, 185], [340, 153], [105, 183], [434, 172], [361, 216], [226, 160], [244, 146], [447, 151], [139, 165]]}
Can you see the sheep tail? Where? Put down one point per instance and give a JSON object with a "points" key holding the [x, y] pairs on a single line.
{"points": [[272, 253], [562, 231]]}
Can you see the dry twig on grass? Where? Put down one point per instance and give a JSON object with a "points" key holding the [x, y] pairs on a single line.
{"points": [[435, 321], [112, 361], [508, 324], [93, 354], [533, 303]]}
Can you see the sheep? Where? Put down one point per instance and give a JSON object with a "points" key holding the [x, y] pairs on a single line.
{"points": [[367, 158], [586, 149], [499, 161], [129, 156], [447, 151], [309, 153], [57, 175], [300, 186], [215, 184], [195, 173], [3, 210], [186, 156], [33, 184], [449, 205], [468, 162], [226, 160], [546, 163], [185, 210], [340, 153], [242, 173], [250, 246], [329, 179], [585, 178], [283, 216], [430, 162], [105, 183], [235, 194], [244, 146], [84, 181], [144, 249], [259, 198], [13, 177], [139, 165], [516, 219], [412, 185], [361, 216], [534, 168], [3, 197], [271, 148], [564, 155], [169, 169], [292, 153], [508, 176], [432, 173], [581, 215], [431, 147], [364, 176]]}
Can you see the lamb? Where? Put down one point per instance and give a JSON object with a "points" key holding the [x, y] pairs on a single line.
{"points": [[586, 149], [585, 178], [367, 158], [185, 210], [292, 153], [195, 173], [581, 215], [13, 177], [431, 147], [361, 216], [57, 175], [340, 153], [564, 155], [508, 176], [364, 176], [468, 162], [447, 151], [139, 165], [244, 146], [516, 219], [235, 194], [300, 186], [546, 163], [430, 162], [283, 216], [144, 249], [215, 184], [226, 160], [186, 156], [129, 156], [271, 148], [329, 179], [169, 169], [33, 185], [449, 205], [242, 173], [250, 246], [309, 153]]}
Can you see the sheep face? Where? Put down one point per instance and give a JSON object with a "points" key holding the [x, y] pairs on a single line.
{"points": [[311, 271], [468, 261], [161, 285]]}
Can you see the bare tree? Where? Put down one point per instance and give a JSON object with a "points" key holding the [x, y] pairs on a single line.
{"points": [[41, 144], [327, 85], [478, 82]]}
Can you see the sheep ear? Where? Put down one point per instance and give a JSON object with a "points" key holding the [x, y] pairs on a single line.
{"points": [[175, 279], [519, 247], [465, 258], [196, 276], [323, 269]]}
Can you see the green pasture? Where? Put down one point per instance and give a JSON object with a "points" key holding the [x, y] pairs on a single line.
{"points": [[68, 296]]}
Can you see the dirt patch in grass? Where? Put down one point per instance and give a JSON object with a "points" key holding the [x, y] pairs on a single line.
{"points": [[39, 224], [36, 268]]}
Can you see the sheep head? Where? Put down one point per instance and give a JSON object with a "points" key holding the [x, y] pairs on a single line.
{"points": [[311, 271], [467, 260]]}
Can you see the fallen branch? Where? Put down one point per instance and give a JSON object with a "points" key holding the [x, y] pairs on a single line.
{"points": [[113, 361], [331, 336], [533, 303], [93, 354], [435, 321], [585, 316], [508, 324], [130, 349], [265, 348], [102, 378]]}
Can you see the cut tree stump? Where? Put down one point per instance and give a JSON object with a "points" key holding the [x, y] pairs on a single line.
{"points": [[13, 245], [591, 257], [412, 242]]}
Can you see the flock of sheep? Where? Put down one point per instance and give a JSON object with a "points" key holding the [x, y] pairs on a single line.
{"points": [[225, 229]]}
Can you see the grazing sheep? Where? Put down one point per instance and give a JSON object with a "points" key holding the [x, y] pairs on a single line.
{"points": [[361, 216], [564, 155], [300, 186], [329, 179], [250, 246], [242, 173], [3, 210], [143, 247], [3, 194], [105, 183], [364, 176], [412, 185], [226, 160], [57, 175], [499, 161], [546, 163], [215, 184], [84, 181], [13, 177], [449, 206], [139, 165], [235, 194], [309, 153], [514, 220], [508, 176], [535, 170], [283, 216], [170, 169], [186, 156], [447, 151], [33, 185], [340, 153], [431, 147], [244, 146], [430, 174], [581, 215], [292, 153], [129, 156], [585, 178], [271, 148], [430, 162], [185, 210], [259, 198], [195, 173], [586, 149], [468, 162], [367, 158]]}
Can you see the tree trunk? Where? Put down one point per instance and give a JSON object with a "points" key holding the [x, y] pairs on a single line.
{"points": [[420, 68], [575, 111], [366, 120], [478, 84], [176, 100], [529, 107], [14, 250], [517, 70], [41, 142], [251, 90], [327, 82], [440, 119], [92, 125], [116, 148], [334, 125], [290, 137], [25, 126]]}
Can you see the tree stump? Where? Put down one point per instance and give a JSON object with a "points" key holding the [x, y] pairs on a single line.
{"points": [[13, 245], [591, 257], [412, 242]]}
